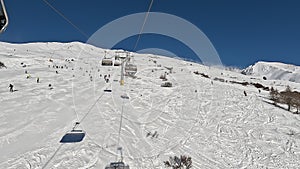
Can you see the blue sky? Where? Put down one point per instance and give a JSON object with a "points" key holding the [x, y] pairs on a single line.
{"points": [[242, 32]]}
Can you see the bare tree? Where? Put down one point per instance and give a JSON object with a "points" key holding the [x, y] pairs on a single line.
{"points": [[286, 97], [274, 95]]}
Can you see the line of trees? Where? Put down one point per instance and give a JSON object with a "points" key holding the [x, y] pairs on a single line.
{"points": [[288, 97]]}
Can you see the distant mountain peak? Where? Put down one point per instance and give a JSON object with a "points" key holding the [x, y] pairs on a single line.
{"points": [[274, 71]]}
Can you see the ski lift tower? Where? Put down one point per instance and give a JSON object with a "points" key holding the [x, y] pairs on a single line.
{"points": [[122, 73], [124, 61]]}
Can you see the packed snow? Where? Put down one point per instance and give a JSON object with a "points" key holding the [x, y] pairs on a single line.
{"points": [[210, 120]]}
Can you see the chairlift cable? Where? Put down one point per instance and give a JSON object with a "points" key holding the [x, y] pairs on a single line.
{"points": [[145, 20], [120, 128], [91, 108], [53, 155], [66, 19]]}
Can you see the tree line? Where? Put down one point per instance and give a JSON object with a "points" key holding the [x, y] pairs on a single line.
{"points": [[288, 97]]}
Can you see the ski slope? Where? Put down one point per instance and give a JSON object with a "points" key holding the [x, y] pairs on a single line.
{"points": [[211, 121]]}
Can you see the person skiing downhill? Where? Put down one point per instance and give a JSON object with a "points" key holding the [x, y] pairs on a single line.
{"points": [[11, 87]]}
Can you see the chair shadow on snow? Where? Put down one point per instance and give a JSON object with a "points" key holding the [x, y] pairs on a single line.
{"points": [[73, 136]]}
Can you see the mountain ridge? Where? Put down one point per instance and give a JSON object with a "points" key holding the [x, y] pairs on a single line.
{"points": [[274, 71]]}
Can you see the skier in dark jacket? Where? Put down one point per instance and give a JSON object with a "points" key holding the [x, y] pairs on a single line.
{"points": [[11, 87]]}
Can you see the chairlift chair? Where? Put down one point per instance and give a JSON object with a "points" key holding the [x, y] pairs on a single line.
{"points": [[107, 90], [166, 84], [130, 69], [117, 165], [120, 55], [3, 17], [124, 96], [117, 62], [74, 135], [106, 62]]}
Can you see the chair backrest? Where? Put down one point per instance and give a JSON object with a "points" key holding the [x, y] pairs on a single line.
{"points": [[3, 17]]}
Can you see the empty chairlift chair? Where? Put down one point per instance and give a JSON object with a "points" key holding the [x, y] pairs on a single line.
{"points": [[166, 84], [130, 69], [117, 165], [107, 62], [120, 56], [117, 62], [74, 135]]}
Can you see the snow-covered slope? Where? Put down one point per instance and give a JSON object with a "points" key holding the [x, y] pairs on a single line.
{"points": [[209, 120], [274, 71]]}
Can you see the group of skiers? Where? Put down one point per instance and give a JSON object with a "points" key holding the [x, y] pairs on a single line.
{"points": [[11, 86], [106, 78], [28, 76]]}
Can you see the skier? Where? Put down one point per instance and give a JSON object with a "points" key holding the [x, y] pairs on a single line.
{"points": [[245, 93], [11, 88], [38, 80], [50, 86]]}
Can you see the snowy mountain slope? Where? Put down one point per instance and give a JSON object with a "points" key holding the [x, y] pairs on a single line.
{"points": [[211, 121], [274, 71]]}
